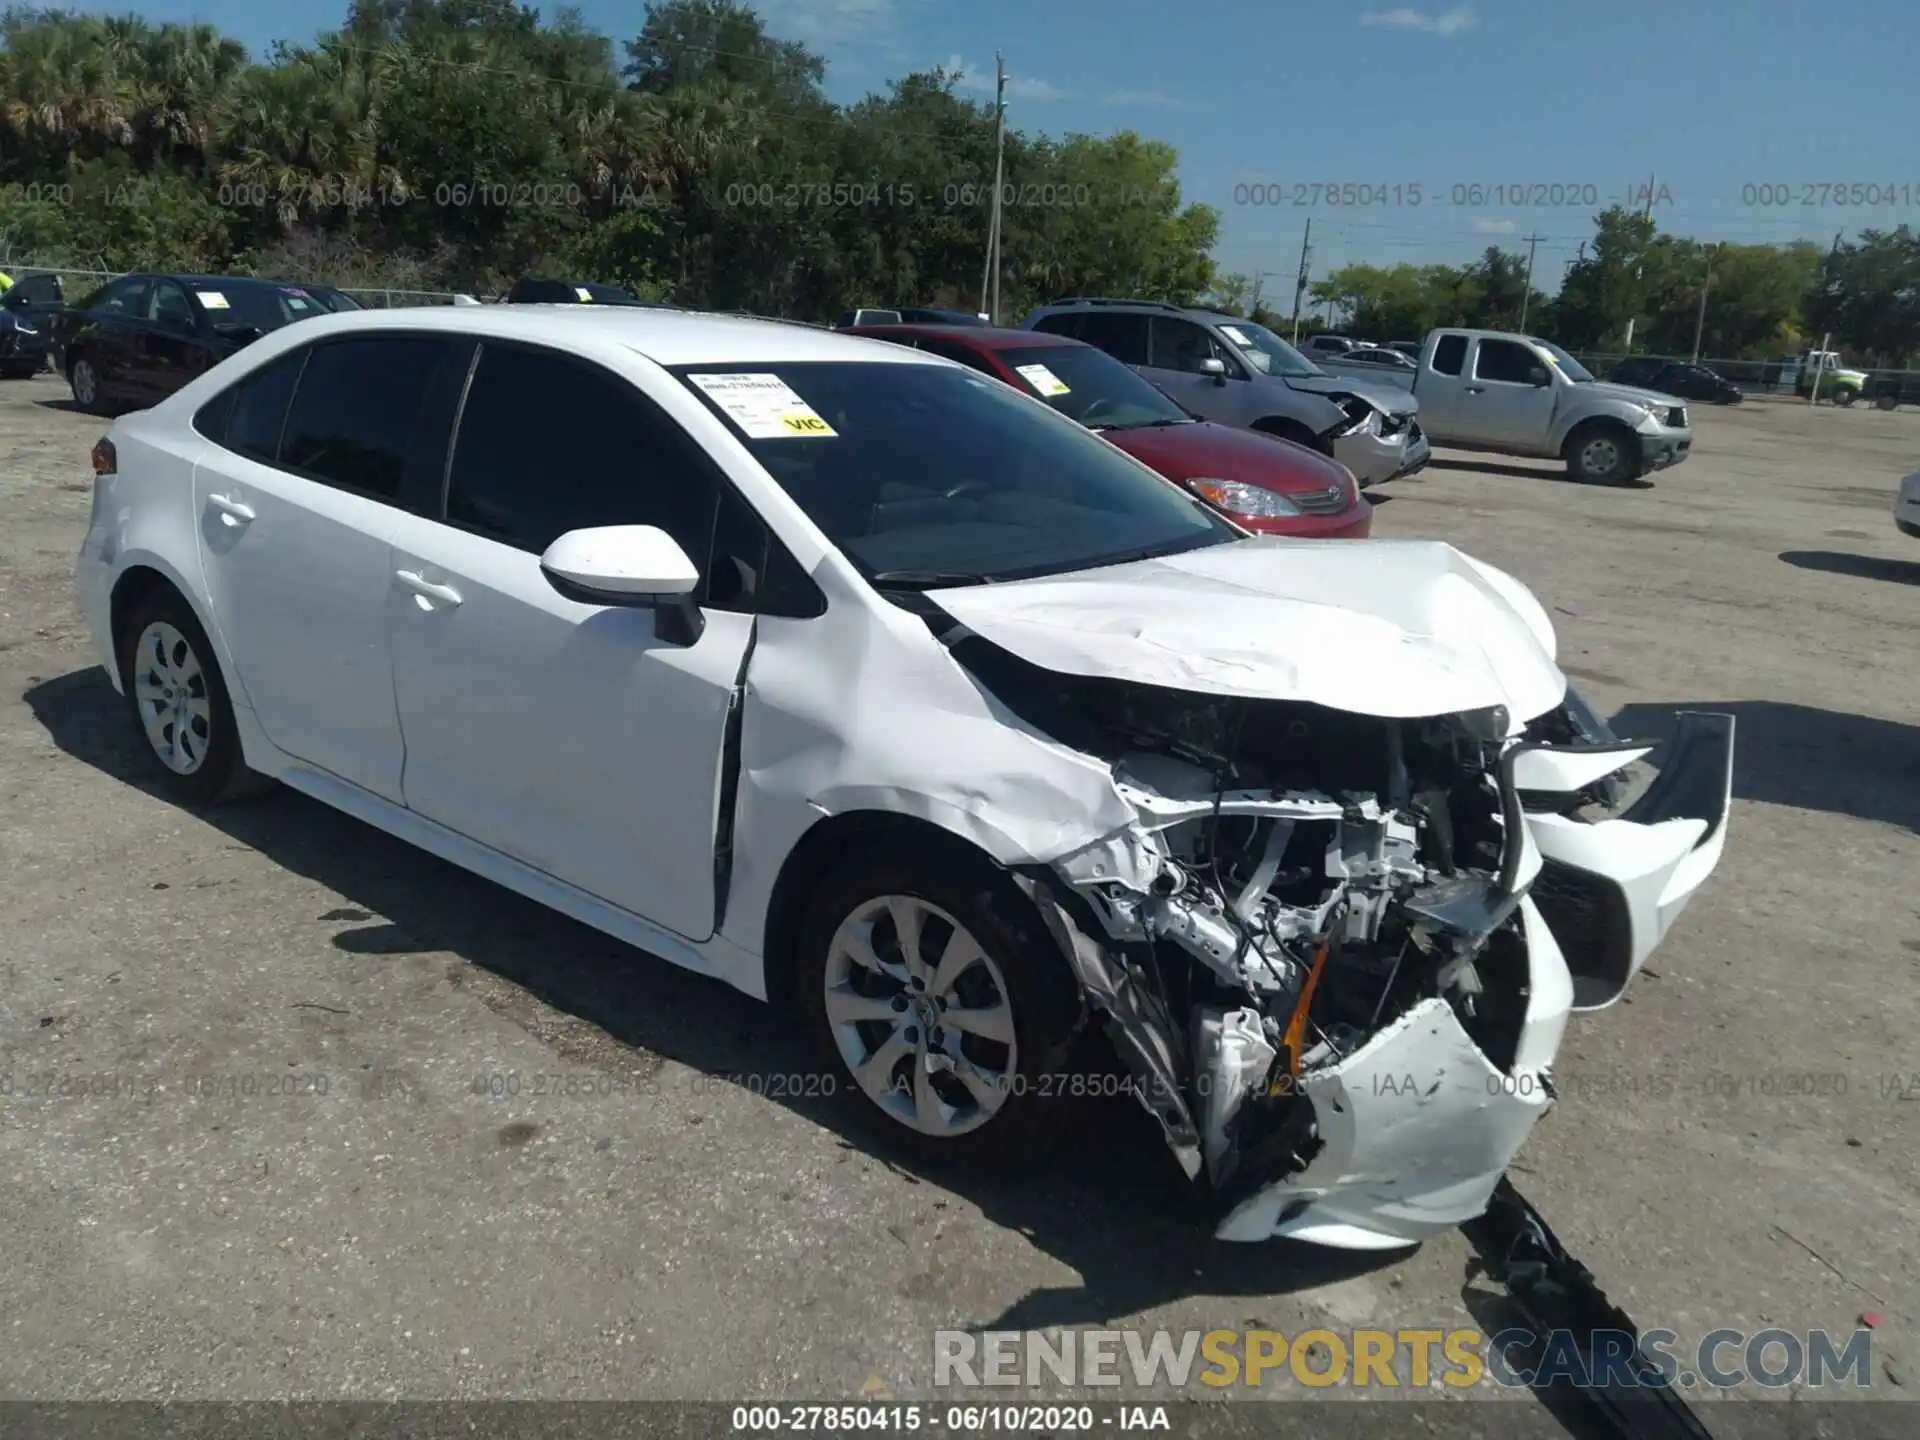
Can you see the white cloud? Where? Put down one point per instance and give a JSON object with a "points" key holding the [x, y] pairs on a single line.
{"points": [[1494, 227], [1151, 99], [827, 22], [1452, 22], [1019, 87]]}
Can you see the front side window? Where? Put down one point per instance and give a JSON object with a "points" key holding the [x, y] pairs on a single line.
{"points": [[1506, 362], [926, 475], [354, 416], [597, 454], [126, 298], [1266, 351], [1184, 346], [170, 307]]}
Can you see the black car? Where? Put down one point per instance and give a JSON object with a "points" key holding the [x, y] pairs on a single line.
{"points": [[1673, 377], [136, 340], [27, 311], [534, 291]]}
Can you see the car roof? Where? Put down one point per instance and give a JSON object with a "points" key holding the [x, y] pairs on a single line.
{"points": [[667, 337], [976, 337]]}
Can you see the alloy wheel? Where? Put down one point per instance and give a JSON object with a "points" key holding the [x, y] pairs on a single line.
{"points": [[920, 1014], [86, 386], [170, 692]]}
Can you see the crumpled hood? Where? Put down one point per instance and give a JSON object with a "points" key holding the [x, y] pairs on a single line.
{"points": [[1397, 628], [1384, 395]]}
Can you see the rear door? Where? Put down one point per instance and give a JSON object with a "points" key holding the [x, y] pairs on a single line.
{"points": [[318, 452]]}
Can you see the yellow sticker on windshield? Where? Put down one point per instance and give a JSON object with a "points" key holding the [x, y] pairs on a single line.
{"points": [[1044, 380], [806, 423]]}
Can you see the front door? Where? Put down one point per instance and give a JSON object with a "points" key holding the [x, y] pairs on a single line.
{"points": [[1176, 362], [568, 736], [1512, 395]]}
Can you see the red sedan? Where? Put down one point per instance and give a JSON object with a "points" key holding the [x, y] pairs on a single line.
{"points": [[1265, 484]]}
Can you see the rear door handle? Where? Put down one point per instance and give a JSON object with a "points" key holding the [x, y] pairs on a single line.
{"points": [[230, 509], [427, 589]]}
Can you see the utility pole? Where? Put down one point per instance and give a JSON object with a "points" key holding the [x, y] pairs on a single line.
{"points": [[1700, 320], [1300, 280], [1639, 269], [990, 282], [1526, 295]]}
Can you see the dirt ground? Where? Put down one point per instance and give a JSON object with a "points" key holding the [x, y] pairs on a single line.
{"points": [[192, 1219]]}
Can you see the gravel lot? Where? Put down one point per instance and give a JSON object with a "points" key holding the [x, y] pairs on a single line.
{"points": [[1731, 1149]]}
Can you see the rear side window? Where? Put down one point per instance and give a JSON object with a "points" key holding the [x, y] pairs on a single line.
{"points": [[357, 409], [1065, 323], [255, 410], [599, 454], [1122, 336], [1450, 354]]}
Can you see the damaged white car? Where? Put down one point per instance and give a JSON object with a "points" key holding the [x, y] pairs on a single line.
{"points": [[884, 692]]}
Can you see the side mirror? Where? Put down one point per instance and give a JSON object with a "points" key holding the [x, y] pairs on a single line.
{"points": [[1539, 376], [1216, 367], [639, 567]]}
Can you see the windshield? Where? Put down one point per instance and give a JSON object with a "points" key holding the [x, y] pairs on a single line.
{"points": [[1266, 351], [930, 474], [251, 305], [1092, 387], [1569, 367]]}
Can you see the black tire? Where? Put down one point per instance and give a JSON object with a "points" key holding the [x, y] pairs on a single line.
{"points": [[1845, 395], [222, 773], [1603, 452], [1887, 402], [1041, 991], [89, 396]]}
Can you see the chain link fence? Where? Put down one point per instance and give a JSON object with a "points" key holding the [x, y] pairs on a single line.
{"points": [[1774, 378], [78, 279]]}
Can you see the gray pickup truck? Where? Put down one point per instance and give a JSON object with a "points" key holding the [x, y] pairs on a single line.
{"points": [[1520, 395]]}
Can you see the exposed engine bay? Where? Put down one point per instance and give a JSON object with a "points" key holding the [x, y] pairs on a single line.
{"points": [[1305, 885]]}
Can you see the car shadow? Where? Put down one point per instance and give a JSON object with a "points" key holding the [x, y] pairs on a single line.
{"points": [[1112, 1205], [69, 405], [1805, 757], [1558, 474], [1864, 567]]}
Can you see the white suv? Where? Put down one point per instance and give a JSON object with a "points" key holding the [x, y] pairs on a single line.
{"points": [[880, 690]]}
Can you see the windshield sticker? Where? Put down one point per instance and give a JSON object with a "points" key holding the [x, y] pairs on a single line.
{"points": [[213, 299], [763, 406], [584, 293], [1239, 337], [1044, 380]]}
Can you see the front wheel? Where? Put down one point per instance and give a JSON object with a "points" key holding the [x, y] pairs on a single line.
{"points": [[1603, 455], [929, 985], [1845, 396]]}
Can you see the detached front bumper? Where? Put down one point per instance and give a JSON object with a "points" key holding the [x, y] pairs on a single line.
{"points": [[1378, 455], [1662, 451], [1417, 1127]]}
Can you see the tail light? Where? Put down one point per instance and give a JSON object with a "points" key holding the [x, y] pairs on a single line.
{"points": [[106, 460]]}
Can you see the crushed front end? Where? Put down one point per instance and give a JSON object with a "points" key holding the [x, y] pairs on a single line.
{"points": [[1323, 950]]}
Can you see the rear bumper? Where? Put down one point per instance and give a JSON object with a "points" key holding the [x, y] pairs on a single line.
{"points": [[1661, 452]]}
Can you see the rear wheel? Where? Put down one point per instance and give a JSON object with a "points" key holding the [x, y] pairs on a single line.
{"points": [[929, 986], [1603, 454], [179, 702], [85, 381]]}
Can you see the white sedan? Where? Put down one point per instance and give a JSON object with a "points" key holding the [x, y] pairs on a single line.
{"points": [[887, 694]]}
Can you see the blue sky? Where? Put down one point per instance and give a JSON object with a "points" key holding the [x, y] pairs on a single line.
{"points": [[1708, 99]]}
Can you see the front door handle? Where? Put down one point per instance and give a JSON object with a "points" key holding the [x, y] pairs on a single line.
{"points": [[426, 589], [231, 510], [1476, 389]]}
